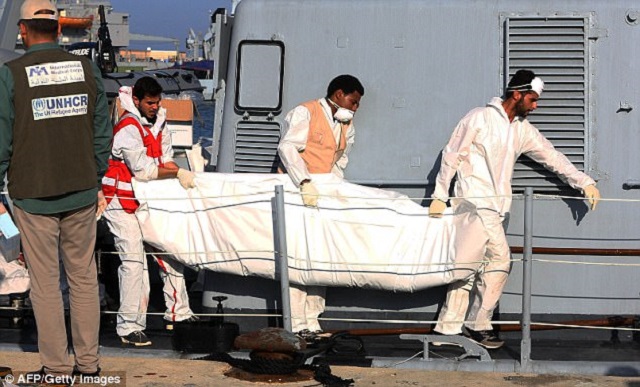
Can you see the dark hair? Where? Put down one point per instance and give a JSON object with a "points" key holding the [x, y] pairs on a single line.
{"points": [[146, 86], [520, 78], [347, 83], [46, 27]]}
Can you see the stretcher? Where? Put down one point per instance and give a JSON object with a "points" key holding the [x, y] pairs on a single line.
{"points": [[357, 237]]}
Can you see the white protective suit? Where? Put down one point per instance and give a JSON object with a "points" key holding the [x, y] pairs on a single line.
{"points": [[14, 277], [133, 272], [482, 151], [308, 302]]}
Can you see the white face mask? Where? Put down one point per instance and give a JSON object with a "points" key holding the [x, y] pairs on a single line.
{"points": [[343, 115]]}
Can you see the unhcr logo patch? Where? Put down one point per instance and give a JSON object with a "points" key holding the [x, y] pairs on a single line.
{"points": [[57, 73], [61, 106]]}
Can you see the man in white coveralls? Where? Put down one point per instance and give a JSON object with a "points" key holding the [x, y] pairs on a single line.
{"points": [[142, 149], [482, 152], [317, 139]]}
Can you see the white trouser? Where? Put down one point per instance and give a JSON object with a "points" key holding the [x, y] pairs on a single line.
{"points": [[14, 277], [486, 285], [307, 303], [133, 275]]}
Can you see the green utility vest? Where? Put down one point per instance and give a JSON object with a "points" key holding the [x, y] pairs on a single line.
{"points": [[54, 101]]}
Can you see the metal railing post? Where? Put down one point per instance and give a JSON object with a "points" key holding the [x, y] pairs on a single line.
{"points": [[525, 345], [282, 257]]}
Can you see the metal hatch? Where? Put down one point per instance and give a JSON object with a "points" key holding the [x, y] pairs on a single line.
{"points": [[557, 48]]}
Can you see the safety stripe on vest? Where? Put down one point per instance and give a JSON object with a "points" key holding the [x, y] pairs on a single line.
{"points": [[121, 184]]}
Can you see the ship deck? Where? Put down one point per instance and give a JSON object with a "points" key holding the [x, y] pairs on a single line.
{"points": [[558, 346]]}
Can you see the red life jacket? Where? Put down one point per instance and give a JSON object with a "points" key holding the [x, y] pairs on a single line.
{"points": [[117, 179]]}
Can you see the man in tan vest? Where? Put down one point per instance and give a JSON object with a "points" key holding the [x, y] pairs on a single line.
{"points": [[318, 136]]}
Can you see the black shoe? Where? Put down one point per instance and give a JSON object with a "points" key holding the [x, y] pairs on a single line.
{"points": [[315, 337], [77, 372], [4, 371], [308, 336], [137, 339], [487, 339], [321, 337], [42, 378], [170, 325]]}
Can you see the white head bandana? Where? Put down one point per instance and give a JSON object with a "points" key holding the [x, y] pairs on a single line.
{"points": [[536, 85]]}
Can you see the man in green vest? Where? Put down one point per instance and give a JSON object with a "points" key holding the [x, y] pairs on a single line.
{"points": [[55, 137]]}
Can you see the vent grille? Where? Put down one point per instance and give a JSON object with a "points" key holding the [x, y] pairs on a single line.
{"points": [[257, 147], [556, 49]]}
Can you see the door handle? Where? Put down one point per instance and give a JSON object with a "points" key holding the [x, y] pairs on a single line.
{"points": [[631, 184]]}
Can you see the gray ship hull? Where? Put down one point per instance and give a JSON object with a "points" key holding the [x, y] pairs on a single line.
{"points": [[424, 64]]}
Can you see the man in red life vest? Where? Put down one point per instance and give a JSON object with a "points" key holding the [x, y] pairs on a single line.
{"points": [[141, 150]]}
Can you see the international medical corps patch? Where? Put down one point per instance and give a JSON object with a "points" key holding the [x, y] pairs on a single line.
{"points": [[57, 73], [60, 106]]}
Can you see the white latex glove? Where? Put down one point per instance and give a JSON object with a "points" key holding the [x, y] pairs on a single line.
{"points": [[186, 178], [436, 208], [196, 161], [101, 204], [592, 194], [309, 194]]}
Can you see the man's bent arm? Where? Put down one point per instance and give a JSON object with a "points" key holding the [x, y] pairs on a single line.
{"points": [[102, 126], [542, 151], [293, 142], [342, 162]]}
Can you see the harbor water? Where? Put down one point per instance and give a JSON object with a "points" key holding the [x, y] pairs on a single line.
{"points": [[203, 119]]}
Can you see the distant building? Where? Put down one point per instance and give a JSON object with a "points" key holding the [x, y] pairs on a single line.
{"points": [[128, 55], [80, 20], [74, 12]]}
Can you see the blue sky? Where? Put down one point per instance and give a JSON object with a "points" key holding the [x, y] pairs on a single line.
{"points": [[168, 18]]}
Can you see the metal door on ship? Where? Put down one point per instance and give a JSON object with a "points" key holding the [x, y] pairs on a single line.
{"points": [[260, 75]]}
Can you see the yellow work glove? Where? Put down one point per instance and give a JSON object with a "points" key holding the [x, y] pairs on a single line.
{"points": [[592, 194], [309, 194], [186, 178], [436, 208]]}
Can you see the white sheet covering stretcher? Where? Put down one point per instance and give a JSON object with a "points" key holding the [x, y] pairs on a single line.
{"points": [[359, 237]]}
